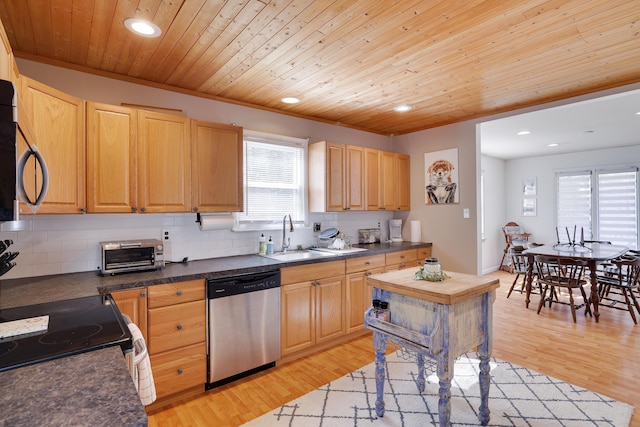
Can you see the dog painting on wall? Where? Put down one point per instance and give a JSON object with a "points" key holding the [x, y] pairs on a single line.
{"points": [[441, 177]]}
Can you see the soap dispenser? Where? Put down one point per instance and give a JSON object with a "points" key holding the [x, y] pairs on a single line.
{"points": [[262, 245], [269, 246]]}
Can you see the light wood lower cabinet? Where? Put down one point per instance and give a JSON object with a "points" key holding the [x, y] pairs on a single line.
{"points": [[133, 303], [357, 292], [179, 369], [177, 336], [312, 305], [401, 259]]}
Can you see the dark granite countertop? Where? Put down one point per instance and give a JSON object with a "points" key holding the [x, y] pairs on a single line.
{"points": [[35, 290], [95, 388], [89, 389]]}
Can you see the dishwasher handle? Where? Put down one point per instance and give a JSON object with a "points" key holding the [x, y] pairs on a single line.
{"points": [[235, 285]]}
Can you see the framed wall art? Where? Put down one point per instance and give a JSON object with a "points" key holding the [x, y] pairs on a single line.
{"points": [[529, 207], [529, 186], [441, 177]]}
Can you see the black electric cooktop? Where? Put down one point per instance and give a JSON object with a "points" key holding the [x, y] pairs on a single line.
{"points": [[75, 326]]}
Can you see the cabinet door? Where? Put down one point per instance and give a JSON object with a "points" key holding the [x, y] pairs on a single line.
{"points": [[164, 162], [387, 181], [57, 122], [403, 182], [355, 200], [358, 298], [372, 179], [216, 167], [111, 158], [335, 176], [133, 303], [329, 308], [297, 317]]}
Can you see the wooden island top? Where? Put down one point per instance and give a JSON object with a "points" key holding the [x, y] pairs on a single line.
{"points": [[456, 288]]}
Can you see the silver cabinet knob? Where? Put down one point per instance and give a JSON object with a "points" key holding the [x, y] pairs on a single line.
{"points": [[179, 327]]}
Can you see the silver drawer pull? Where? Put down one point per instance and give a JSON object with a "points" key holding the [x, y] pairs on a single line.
{"points": [[180, 371], [179, 327], [179, 293]]}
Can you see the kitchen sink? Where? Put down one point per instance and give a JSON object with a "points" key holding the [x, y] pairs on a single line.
{"points": [[300, 255], [339, 251]]}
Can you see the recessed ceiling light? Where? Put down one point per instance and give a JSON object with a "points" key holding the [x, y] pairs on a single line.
{"points": [[554, 144], [290, 100], [142, 27], [524, 132], [403, 108]]}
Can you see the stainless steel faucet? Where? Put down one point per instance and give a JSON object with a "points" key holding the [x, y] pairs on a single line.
{"points": [[285, 246]]}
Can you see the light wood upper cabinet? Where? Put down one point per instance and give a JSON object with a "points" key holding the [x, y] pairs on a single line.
{"points": [[355, 196], [387, 181], [216, 162], [164, 162], [403, 182], [112, 181], [336, 177], [57, 121], [372, 179]]}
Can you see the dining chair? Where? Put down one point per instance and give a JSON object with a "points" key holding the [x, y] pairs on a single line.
{"points": [[557, 273], [618, 283], [520, 265]]}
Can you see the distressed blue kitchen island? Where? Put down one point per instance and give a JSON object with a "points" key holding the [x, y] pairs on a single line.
{"points": [[435, 320]]}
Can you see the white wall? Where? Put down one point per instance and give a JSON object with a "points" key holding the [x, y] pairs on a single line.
{"points": [[495, 203], [544, 168], [455, 240]]}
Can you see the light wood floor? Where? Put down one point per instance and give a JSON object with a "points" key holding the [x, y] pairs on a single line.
{"points": [[603, 357]]}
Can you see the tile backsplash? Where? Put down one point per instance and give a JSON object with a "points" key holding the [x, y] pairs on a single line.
{"points": [[70, 243]]}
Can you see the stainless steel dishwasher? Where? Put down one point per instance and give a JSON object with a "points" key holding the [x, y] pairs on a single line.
{"points": [[243, 333]]}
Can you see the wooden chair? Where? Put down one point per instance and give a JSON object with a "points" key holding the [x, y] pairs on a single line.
{"points": [[618, 283], [513, 236], [562, 273], [520, 265]]}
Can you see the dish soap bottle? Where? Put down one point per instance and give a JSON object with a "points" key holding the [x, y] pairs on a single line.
{"points": [[269, 246], [262, 246]]}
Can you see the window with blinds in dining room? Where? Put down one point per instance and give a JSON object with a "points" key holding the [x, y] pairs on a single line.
{"points": [[603, 202]]}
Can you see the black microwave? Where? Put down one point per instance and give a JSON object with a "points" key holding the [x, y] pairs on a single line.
{"points": [[131, 255]]}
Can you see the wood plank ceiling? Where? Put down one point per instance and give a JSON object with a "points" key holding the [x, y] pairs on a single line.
{"points": [[350, 61]]}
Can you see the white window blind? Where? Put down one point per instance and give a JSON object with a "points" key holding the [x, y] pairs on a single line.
{"points": [[274, 176], [574, 203], [618, 207], [603, 202]]}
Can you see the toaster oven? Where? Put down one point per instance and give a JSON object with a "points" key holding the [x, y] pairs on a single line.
{"points": [[131, 255]]}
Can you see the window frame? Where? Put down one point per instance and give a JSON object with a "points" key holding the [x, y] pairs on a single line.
{"points": [[242, 224]]}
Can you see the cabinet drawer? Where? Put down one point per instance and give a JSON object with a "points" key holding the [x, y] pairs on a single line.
{"points": [[423, 253], [364, 263], [176, 293], [180, 369], [176, 326], [401, 257], [303, 273]]}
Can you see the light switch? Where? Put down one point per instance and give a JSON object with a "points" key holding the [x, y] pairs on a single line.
{"points": [[465, 212]]}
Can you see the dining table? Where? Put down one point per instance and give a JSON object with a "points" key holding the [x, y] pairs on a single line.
{"points": [[594, 253]]}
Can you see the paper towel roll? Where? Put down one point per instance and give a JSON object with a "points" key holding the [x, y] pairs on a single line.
{"points": [[223, 221], [415, 231]]}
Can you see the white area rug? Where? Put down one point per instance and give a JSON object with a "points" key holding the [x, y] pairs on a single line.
{"points": [[518, 397]]}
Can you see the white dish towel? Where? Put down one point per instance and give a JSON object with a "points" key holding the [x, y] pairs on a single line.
{"points": [[145, 384]]}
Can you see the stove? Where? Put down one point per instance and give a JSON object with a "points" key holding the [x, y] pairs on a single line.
{"points": [[75, 326]]}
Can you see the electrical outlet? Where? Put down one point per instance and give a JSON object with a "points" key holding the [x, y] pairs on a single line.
{"points": [[166, 235], [317, 226]]}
